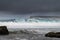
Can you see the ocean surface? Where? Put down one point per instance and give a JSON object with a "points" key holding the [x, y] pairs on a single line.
{"points": [[35, 34], [30, 29]]}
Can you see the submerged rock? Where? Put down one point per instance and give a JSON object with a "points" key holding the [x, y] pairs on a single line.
{"points": [[4, 30], [53, 34]]}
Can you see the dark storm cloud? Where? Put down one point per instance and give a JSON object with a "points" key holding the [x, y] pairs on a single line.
{"points": [[30, 6]]}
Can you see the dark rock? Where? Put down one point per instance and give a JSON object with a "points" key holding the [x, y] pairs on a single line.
{"points": [[4, 30], [52, 34], [57, 34]]}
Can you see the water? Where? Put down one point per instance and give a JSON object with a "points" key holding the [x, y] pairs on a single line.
{"points": [[35, 27], [31, 23], [31, 36]]}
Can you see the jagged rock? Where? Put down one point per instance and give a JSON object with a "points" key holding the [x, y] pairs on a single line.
{"points": [[53, 34], [4, 30]]}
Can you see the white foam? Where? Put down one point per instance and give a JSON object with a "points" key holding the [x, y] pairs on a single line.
{"points": [[30, 25]]}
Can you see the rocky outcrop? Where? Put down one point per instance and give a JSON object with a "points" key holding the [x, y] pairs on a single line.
{"points": [[4, 30], [53, 34]]}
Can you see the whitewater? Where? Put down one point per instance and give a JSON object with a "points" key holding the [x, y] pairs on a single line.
{"points": [[32, 23], [36, 28]]}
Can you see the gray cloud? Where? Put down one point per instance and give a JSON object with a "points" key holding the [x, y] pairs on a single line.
{"points": [[30, 5], [33, 7]]}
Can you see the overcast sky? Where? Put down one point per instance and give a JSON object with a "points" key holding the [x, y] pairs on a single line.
{"points": [[30, 7]]}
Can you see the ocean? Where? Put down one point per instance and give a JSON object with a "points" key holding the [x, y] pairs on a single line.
{"points": [[35, 34], [30, 29]]}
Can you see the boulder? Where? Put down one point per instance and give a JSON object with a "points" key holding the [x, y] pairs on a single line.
{"points": [[50, 34], [4, 30], [57, 34], [53, 34]]}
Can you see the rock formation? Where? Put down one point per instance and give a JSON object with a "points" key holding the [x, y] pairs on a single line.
{"points": [[53, 34], [4, 30]]}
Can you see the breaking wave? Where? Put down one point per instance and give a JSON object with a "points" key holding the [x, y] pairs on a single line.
{"points": [[31, 23]]}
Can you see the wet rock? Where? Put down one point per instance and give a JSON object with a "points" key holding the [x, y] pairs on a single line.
{"points": [[53, 34], [4, 30], [50, 34], [58, 34]]}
